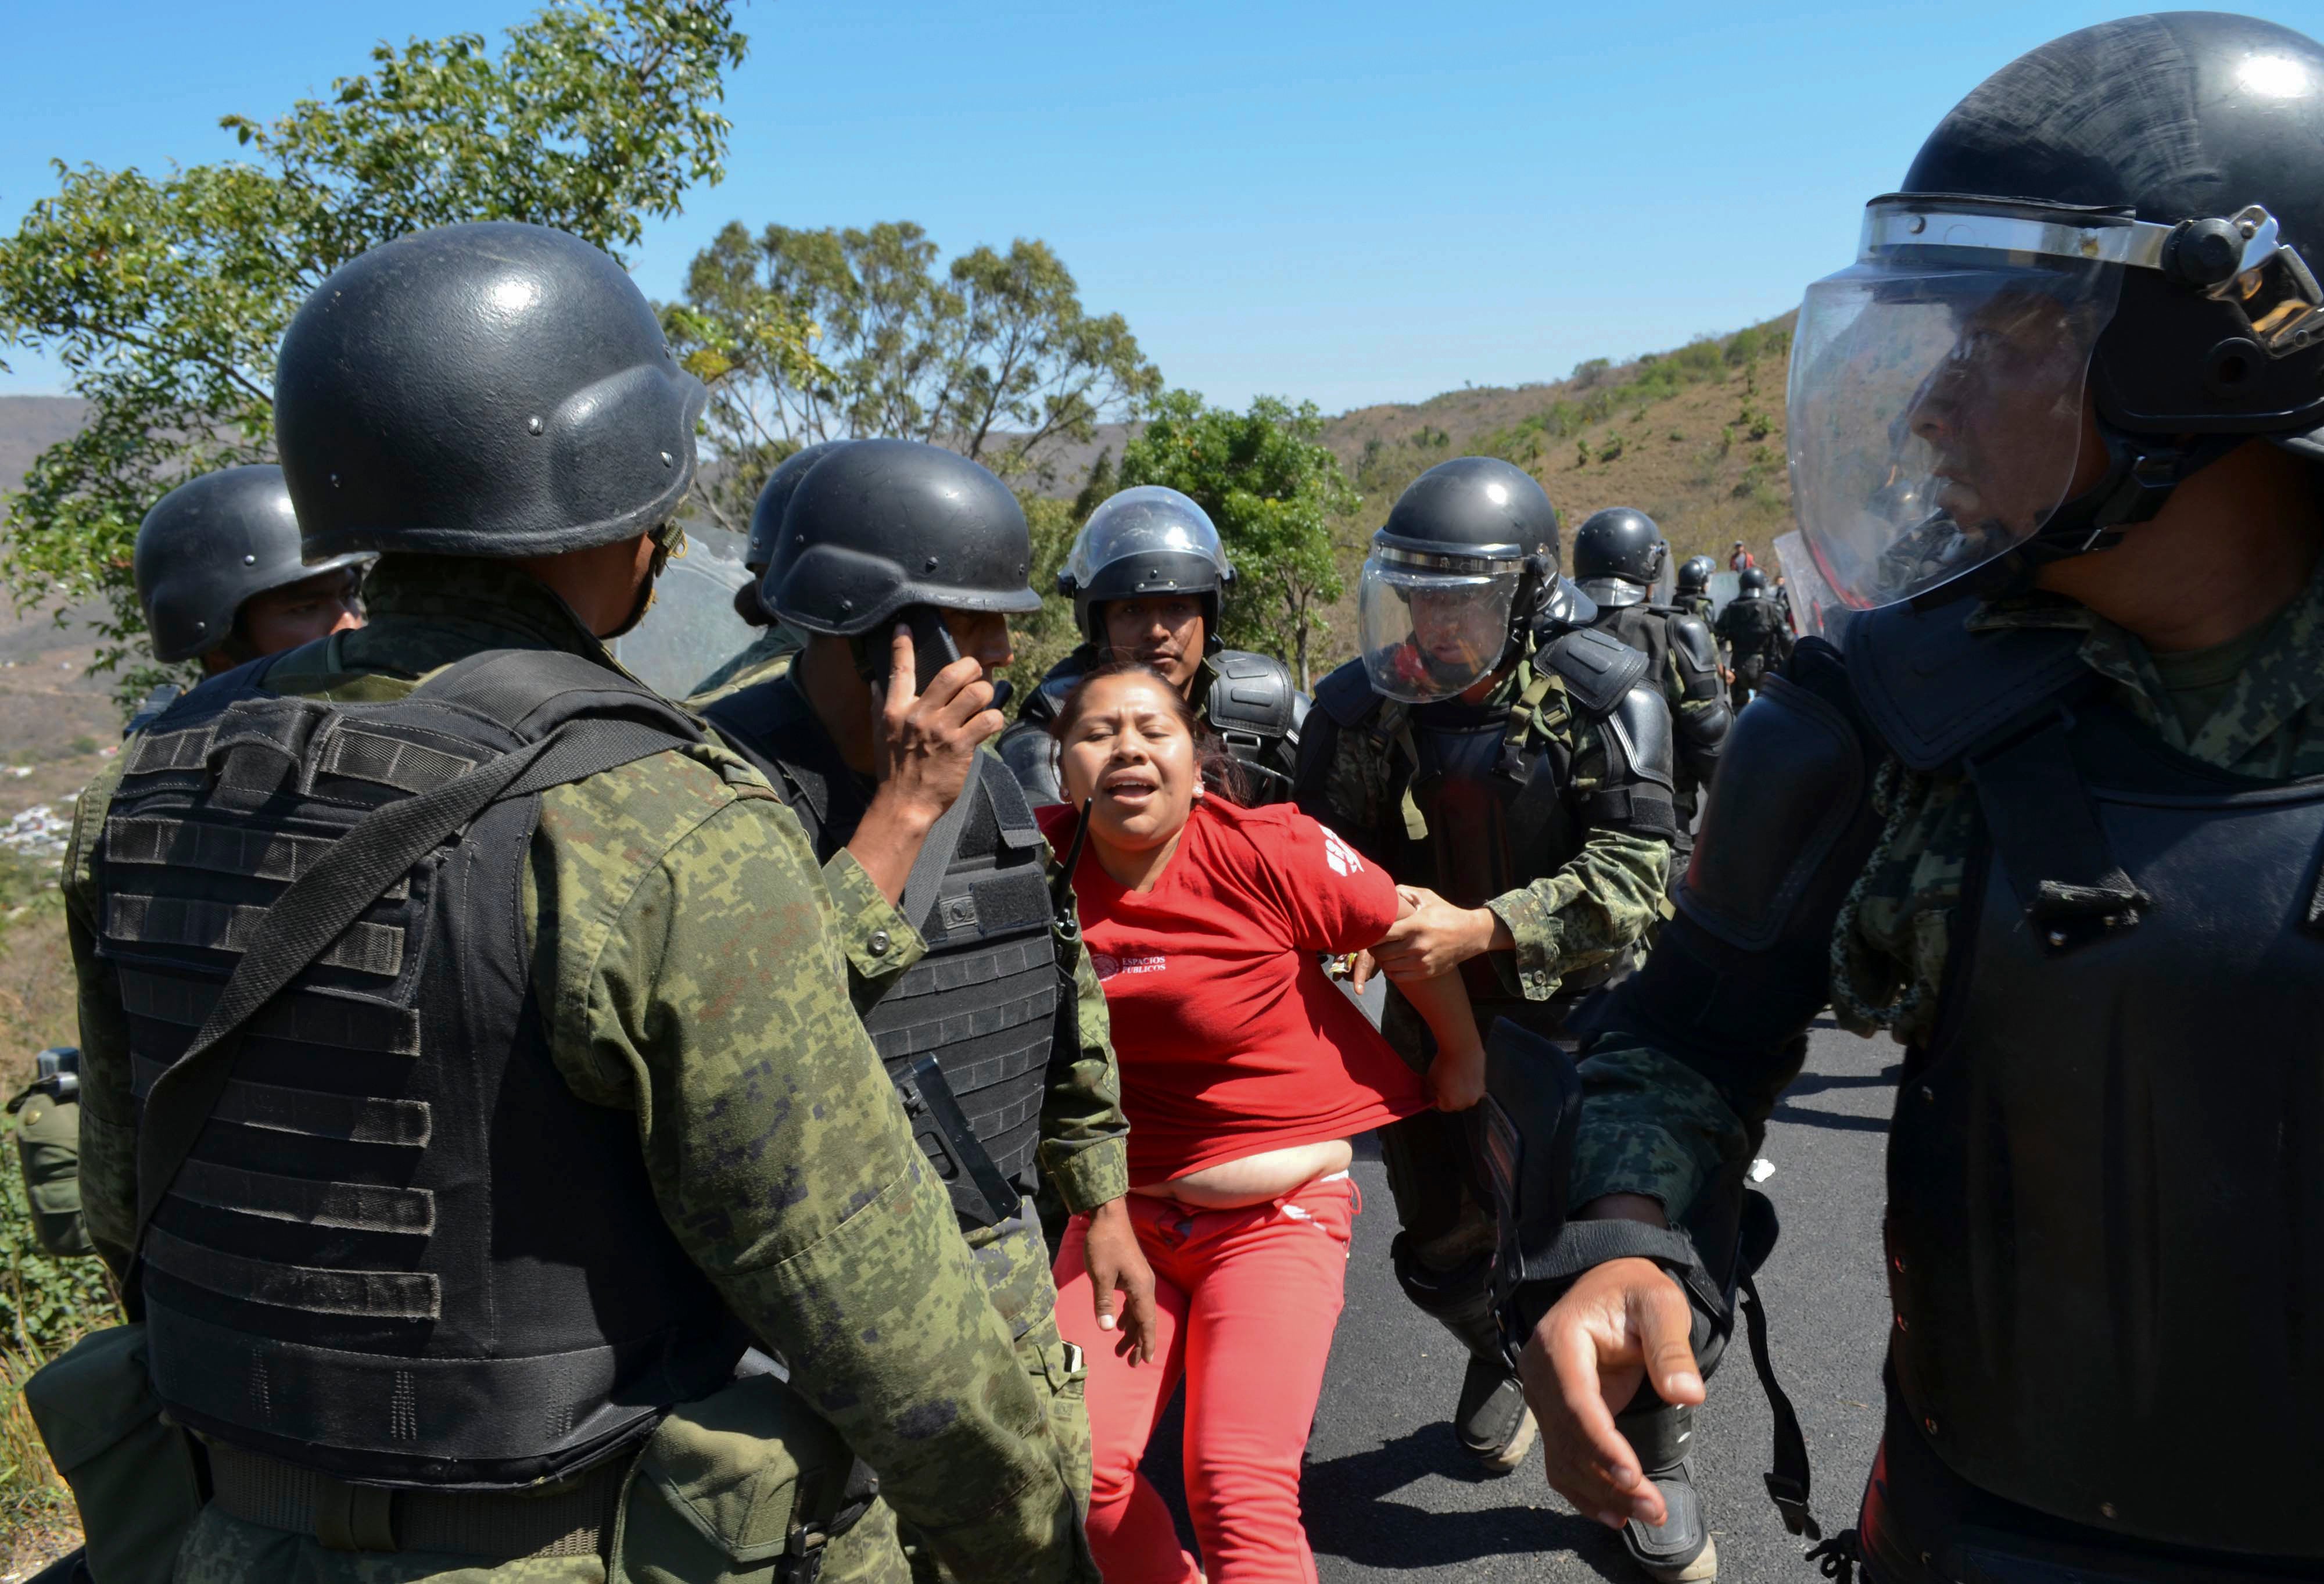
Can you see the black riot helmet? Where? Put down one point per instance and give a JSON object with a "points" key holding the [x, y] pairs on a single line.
{"points": [[2137, 211], [1751, 584], [1457, 576], [774, 496], [1146, 540], [882, 525], [1618, 555], [1695, 574], [210, 544], [486, 390]]}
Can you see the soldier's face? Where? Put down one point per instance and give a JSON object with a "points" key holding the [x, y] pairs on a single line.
{"points": [[1165, 632], [2003, 413], [1457, 631], [982, 636], [1130, 756], [316, 607]]}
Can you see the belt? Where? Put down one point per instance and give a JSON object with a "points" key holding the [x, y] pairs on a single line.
{"points": [[572, 1518]]}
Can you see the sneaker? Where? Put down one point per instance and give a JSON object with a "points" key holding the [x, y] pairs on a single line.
{"points": [[1492, 1421], [1679, 1549]]}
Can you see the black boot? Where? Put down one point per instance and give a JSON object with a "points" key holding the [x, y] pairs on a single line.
{"points": [[1491, 1421], [1679, 1548]]}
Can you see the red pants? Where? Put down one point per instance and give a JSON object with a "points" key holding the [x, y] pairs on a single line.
{"points": [[1246, 1302]]}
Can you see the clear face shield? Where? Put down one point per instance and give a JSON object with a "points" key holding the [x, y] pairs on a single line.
{"points": [[1936, 405], [1433, 626], [1147, 522]]}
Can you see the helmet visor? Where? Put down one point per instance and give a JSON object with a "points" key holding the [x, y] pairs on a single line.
{"points": [[1937, 394], [1431, 635], [1148, 523]]}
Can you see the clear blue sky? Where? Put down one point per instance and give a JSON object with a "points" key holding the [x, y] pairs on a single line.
{"points": [[1347, 202]]}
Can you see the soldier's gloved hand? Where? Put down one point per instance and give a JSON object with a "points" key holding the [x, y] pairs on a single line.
{"points": [[1436, 936], [1623, 1321], [1117, 1265], [924, 746]]}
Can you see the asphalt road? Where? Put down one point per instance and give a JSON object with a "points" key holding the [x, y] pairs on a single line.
{"points": [[1388, 1494]]}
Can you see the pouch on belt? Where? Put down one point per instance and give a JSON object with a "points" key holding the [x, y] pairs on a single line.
{"points": [[745, 1486], [132, 1469]]}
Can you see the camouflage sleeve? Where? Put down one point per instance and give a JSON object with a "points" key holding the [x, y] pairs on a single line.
{"points": [[1084, 1137], [108, 1114], [1600, 901], [877, 940], [693, 973], [1652, 1124]]}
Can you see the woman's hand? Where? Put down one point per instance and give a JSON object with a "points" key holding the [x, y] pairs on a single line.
{"points": [[1456, 1078], [1623, 1321], [1117, 1265], [1435, 937]]}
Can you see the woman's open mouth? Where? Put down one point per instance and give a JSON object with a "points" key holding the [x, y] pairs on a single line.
{"points": [[1131, 787]]}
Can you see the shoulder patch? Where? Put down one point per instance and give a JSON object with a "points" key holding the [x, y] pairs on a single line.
{"points": [[1346, 696], [1597, 668]]}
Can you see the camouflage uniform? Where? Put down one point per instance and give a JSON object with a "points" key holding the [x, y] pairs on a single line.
{"points": [[692, 970], [762, 660], [1083, 1153], [1655, 1126], [1597, 905]]}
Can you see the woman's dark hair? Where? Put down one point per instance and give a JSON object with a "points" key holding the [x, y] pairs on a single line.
{"points": [[1212, 761]]}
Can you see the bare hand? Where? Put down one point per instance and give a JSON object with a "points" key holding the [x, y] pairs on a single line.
{"points": [[1456, 1079], [1622, 1323], [1433, 938], [923, 744], [1118, 1265]]}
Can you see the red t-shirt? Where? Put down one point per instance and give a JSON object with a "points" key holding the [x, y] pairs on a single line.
{"points": [[1232, 1039]]}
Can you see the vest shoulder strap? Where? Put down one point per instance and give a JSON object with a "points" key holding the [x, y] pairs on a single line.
{"points": [[1933, 690]]}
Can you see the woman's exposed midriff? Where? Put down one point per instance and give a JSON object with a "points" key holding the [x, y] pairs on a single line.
{"points": [[1254, 1179]]}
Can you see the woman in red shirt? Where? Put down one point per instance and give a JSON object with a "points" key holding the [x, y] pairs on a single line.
{"points": [[1245, 1073]]}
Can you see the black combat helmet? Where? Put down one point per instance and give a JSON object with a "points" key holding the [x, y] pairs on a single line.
{"points": [[209, 545], [1618, 554], [1465, 564], [1751, 582], [882, 525], [1695, 574], [2135, 210], [1146, 540], [485, 390], [774, 496]]}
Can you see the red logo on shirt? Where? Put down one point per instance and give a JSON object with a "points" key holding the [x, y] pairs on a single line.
{"points": [[1339, 854], [1105, 965]]}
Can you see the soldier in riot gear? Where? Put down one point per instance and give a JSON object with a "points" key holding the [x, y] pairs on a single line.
{"points": [[1618, 555], [1146, 575], [888, 532], [2052, 821], [1513, 766], [1693, 595], [1757, 634], [770, 654], [467, 1072]]}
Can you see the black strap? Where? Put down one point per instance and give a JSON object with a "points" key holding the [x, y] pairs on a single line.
{"points": [[319, 906], [936, 850], [1788, 1479]]}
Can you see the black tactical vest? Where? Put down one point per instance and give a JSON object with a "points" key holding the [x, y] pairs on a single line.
{"points": [[401, 1251], [1756, 627], [2106, 1168], [2104, 1178], [967, 1031], [1645, 628]]}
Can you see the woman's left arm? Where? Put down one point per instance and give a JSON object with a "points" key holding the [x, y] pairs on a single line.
{"points": [[1084, 1149]]}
